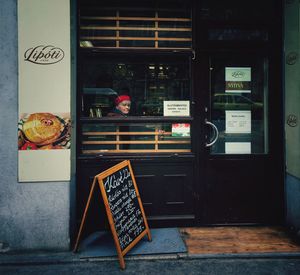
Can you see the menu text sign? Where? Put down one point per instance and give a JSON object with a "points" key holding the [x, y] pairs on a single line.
{"points": [[123, 206]]}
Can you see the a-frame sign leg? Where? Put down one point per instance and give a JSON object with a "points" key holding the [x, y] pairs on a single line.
{"points": [[111, 225], [119, 252], [149, 235], [84, 215], [121, 261]]}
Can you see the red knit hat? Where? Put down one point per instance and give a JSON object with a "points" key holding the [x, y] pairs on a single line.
{"points": [[121, 98]]}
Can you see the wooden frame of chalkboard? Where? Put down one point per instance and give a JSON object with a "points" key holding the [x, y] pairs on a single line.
{"points": [[123, 207]]}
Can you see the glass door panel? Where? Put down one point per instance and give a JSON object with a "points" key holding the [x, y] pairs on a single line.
{"points": [[239, 104]]}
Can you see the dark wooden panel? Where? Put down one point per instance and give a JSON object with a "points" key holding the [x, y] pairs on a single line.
{"points": [[145, 185], [178, 189], [165, 186], [243, 191]]}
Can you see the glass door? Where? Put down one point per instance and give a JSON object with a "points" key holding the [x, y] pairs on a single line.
{"points": [[238, 182], [239, 104]]}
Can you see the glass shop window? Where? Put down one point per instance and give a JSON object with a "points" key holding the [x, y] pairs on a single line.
{"points": [[141, 49], [151, 83]]}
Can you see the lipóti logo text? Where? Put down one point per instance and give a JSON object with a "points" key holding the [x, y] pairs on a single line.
{"points": [[44, 55]]}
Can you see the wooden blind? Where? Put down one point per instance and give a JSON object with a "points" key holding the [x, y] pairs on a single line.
{"points": [[150, 29], [162, 142]]}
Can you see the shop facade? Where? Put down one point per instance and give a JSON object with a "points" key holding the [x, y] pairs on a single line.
{"points": [[213, 117], [206, 99]]}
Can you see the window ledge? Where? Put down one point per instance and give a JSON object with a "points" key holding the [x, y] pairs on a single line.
{"points": [[137, 119]]}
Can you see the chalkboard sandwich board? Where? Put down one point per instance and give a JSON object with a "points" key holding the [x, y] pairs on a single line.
{"points": [[123, 207]]}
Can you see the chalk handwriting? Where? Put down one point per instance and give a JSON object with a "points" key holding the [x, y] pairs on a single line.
{"points": [[124, 206], [113, 181]]}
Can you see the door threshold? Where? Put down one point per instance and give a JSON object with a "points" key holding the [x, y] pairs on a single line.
{"points": [[240, 240]]}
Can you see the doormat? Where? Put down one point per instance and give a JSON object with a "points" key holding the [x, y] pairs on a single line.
{"points": [[164, 241]]}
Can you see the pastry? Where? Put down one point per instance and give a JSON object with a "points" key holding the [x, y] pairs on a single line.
{"points": [[42, 128]]}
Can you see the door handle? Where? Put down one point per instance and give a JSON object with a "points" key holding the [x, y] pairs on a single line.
{"points": [[216, 134]]}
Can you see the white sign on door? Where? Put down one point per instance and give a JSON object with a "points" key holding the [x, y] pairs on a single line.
{"points": [[238, 122], [177, 108], [238, 79], [237, 147]]}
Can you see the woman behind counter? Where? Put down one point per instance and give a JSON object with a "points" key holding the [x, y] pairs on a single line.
{"points": [[122, 106]]}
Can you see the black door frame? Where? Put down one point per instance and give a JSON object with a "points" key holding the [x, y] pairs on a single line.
{"points": [[272, 176]]}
